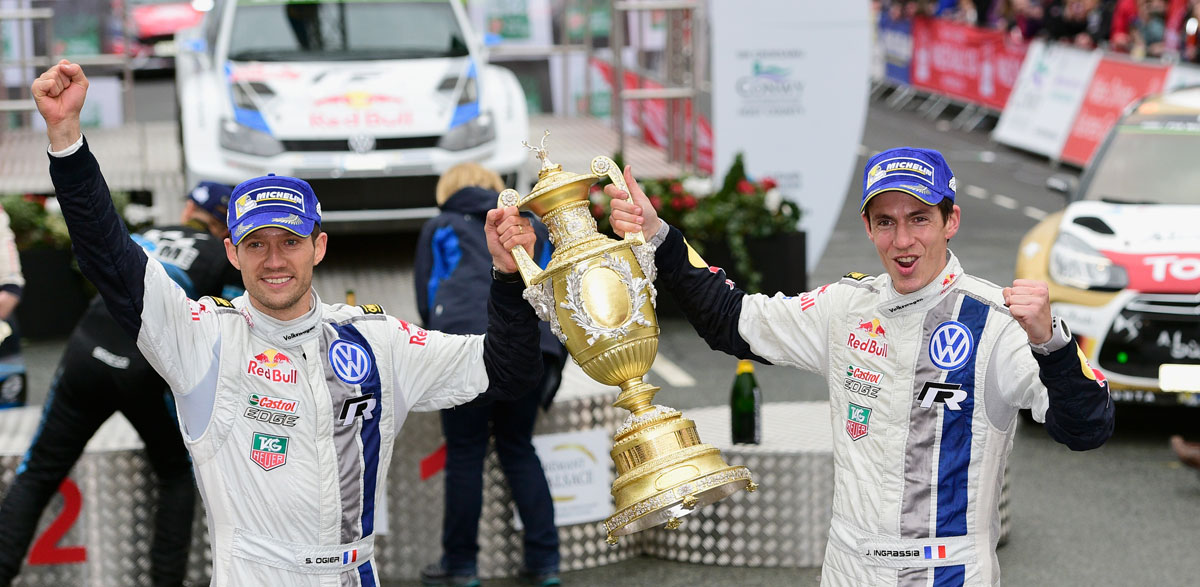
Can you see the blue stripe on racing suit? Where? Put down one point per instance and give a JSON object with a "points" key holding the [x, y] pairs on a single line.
{"points": [[954, 456]]}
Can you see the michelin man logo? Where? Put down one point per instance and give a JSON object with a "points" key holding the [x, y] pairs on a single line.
{"points": [[200, 194]]}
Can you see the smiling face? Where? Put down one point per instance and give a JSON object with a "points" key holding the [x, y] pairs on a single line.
{"points": [[277, 269], [910, 237]]}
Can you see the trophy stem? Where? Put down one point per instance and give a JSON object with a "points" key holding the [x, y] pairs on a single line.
{"points": [[637, 396]]}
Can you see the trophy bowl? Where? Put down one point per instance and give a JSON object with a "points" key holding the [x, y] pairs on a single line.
{"points": [[598, 295]]}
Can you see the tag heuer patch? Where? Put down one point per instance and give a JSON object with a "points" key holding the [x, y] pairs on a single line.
{"points": [[269, 451], [224, 303], [371, 309], [856, 421]]}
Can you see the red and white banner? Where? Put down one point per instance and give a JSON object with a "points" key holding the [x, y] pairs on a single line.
{"points": [[1115, 84], [650, 116], [1046, 98], [975, 65]]}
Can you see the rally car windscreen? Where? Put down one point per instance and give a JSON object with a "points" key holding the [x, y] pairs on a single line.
{"points": [[344, 31], [1148, 164]]}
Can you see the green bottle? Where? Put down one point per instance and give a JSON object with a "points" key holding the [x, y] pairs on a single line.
{"points": [[745, 405]]}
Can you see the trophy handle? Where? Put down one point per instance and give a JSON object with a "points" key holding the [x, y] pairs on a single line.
{"points": [[529, 270], [602, 166]]}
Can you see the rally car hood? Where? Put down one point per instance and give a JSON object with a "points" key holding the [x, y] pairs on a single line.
{"points": [[331, 100], [1157, 245]]}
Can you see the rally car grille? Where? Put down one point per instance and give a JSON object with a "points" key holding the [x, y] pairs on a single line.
{"points": [[375, 193], [385, 144], [1150, 331]]}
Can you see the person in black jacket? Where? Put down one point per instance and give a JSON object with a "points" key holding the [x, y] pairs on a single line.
{"points": [[102, 372], [452, 273]]}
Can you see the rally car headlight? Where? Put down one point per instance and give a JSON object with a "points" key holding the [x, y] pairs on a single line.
{"points": [[472, 133], [1077, 264], [243, 139]]}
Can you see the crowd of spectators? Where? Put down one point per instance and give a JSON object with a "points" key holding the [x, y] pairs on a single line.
{"points": [[1162, 29]]}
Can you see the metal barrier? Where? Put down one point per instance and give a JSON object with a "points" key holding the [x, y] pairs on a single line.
{"points": [[97, 532]]}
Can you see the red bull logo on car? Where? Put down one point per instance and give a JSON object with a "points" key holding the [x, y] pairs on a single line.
{"points": [[869, 337], [358, 100], [272, 365], [365, 109]]}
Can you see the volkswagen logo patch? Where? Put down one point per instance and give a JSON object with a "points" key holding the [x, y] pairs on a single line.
{"points": [[951, 345], [351, 363]]}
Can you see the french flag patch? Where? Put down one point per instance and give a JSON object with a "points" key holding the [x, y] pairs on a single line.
{"points": [[933, 552], [352, 555]]}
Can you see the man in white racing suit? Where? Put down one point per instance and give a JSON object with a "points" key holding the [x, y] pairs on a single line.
{"points": [[926, 366], [288, 406]]}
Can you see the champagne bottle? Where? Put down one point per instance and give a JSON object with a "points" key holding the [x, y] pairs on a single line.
{"points": [[350, 299], [745, 405]]}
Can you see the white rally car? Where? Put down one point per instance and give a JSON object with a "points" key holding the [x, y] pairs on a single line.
{"points": [[1123, 258], [368, 100]]}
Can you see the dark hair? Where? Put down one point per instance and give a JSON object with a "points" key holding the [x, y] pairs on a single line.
{"points": [[946, 206], [316, 232]]}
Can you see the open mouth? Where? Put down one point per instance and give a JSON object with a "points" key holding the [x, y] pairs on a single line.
{"points": [[277, 281], [906, 262]]}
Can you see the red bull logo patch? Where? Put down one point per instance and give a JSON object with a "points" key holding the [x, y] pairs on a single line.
{"points": [[272, 365], [948, 280], [808, 299], [872, 329], [869, 337], [416, 336]]}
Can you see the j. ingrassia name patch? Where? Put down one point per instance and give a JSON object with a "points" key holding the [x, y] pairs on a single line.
{"points": [[224, 303], [856, 276], [371, 309]]}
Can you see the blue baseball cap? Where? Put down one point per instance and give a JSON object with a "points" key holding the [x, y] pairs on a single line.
{"points": [[273, 200], [920, 173], [211, 196]]}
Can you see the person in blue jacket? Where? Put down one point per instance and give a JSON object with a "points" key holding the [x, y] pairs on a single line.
{"points": [[452, 272]]}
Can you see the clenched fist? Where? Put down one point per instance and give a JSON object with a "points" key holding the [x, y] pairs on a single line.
{"points": [[1029, 302], [59, 94]]}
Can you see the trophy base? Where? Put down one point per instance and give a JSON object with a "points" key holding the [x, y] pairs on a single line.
{"points": [[666, 507]]}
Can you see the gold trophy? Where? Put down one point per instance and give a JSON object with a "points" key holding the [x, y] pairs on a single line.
{"points": [[598, 296]]}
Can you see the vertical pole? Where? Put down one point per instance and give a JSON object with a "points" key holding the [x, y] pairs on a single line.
{"points": [[589, 43], [566, 42], [696, 28], [616, 41]]}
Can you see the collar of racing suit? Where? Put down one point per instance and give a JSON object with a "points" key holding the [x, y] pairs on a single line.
{"points": [[893, 302], [290, 333]]}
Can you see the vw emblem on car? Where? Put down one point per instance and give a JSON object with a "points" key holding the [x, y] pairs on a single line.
{"points": [[361, 143]]}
